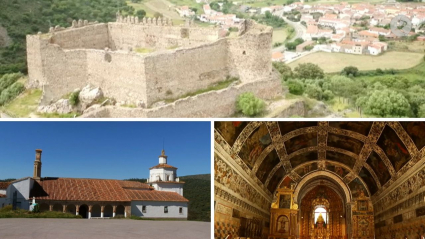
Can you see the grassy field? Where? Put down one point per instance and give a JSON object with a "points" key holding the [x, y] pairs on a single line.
{"points": [[263, 3], [280, 35], [415, 46], [24, 104], [335, 62], [161, 6]]}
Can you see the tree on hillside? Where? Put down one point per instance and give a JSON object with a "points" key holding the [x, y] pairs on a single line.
{"points": [[384, 103], [284, 70], [141, 14], [249, 105], [308, 71], [215, 6], [350, 71]]}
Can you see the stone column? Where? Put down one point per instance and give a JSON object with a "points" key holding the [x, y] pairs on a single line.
{"points": [[102, 209], [64, 208], [77, 209], [50, 207], [114, 209], [90, 207]]}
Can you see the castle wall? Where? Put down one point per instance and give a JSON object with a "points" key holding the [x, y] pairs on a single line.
{"points": [[173, 74], [120, 75], [65, 71], [217, 104], [250, 54], [91, 36], [125, 36], [35, 65]]}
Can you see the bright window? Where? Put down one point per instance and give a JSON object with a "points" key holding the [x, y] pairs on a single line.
{"points": [[318, 211]]}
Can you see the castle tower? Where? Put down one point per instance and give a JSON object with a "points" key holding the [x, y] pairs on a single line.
{"points": [[163, 177], [37, 164]]}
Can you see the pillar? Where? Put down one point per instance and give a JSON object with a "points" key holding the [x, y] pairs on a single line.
{"points": [[90, 207], [114, 209], [50, 207], [102, 208], [77, 210], [64, 208]]}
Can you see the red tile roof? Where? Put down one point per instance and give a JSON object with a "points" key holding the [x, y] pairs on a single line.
{"points": [[2, 195], [76, 189], [144, 195], [4, 185], [163, 165]]}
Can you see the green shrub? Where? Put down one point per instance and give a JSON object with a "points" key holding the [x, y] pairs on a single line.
{"points": [[8, 79], [328, 95], [314, 91], [295, 87], [11, 92], [36, 208], [249, 105], [73, 98]]}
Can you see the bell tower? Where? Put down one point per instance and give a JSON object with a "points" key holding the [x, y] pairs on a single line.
{"points": [[37, 164]]}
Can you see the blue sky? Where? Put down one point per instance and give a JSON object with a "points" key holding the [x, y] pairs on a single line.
{"points": [[109, 150]]}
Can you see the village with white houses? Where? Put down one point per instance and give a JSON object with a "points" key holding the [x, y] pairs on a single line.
{"points": [[354, 28]]}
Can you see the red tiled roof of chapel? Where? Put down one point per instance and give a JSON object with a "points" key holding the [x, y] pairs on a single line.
{"points": [[144, 195], [163, 165], [4, 185], [2, 195]]}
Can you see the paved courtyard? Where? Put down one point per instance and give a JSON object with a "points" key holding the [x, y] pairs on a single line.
{"points": [[107, 228]]}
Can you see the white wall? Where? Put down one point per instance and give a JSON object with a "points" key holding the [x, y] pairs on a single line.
{"points": [[162, 173], [169, 187], [3, 191], [156, 209], [23, 188]]}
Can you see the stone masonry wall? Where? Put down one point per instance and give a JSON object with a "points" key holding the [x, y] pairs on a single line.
{"points": [[120, 75], [125, 36], [89, 37], [172, 74], [35, 65], [250, 54], [218, 104]]}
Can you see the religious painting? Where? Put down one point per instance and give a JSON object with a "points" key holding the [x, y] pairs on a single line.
{"points": [[306, 169], [357, 188], [420, 212], [300, 142], [269, 162], [345, 142], [416, 131], [378, 166], [340, 171], [341, 158], [276, 178], [254, 145], [302, 158], [361, 127], [285, 201], [368, 179], [230, 130], [282, 224], [286, 127], [394, 148], [362, 205], [286, 183]]}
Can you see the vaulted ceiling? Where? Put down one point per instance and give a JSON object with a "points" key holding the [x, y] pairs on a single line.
{"points": [[363, 154]]}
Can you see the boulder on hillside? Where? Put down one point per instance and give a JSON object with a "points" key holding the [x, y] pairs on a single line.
{"points": [[88, 95], [61, 106]]}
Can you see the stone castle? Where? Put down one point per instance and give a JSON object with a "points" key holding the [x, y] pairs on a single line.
{"points": [[151, 60]]}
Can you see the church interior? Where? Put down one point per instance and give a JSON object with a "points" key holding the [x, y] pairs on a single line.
{"points": [[319, 180]]}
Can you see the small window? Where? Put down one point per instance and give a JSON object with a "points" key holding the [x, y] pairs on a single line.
{"points": [[144, 209], [181, 210], [166, 209]]}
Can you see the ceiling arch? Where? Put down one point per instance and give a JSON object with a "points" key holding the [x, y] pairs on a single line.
{"points": [[372, 152]]}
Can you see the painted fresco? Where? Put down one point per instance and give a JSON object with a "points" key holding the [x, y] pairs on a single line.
{"points": [[416, 131], [269, 162], [276, 178], [300, 142], [286, 127], [302, 171], [345, 142], [254, 145], [340, 171], [286, 182], [361, 127], [393, 148], [378, 166], [302, 158], [230, 130], [356, 187], [340, 157], [368, 179]]}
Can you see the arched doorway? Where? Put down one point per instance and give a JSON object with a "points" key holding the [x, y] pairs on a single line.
{"points": [[95, 211], [71, 209], [120, 211], [44, 207], [83, 211], [57, 208], [108, 211]]}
